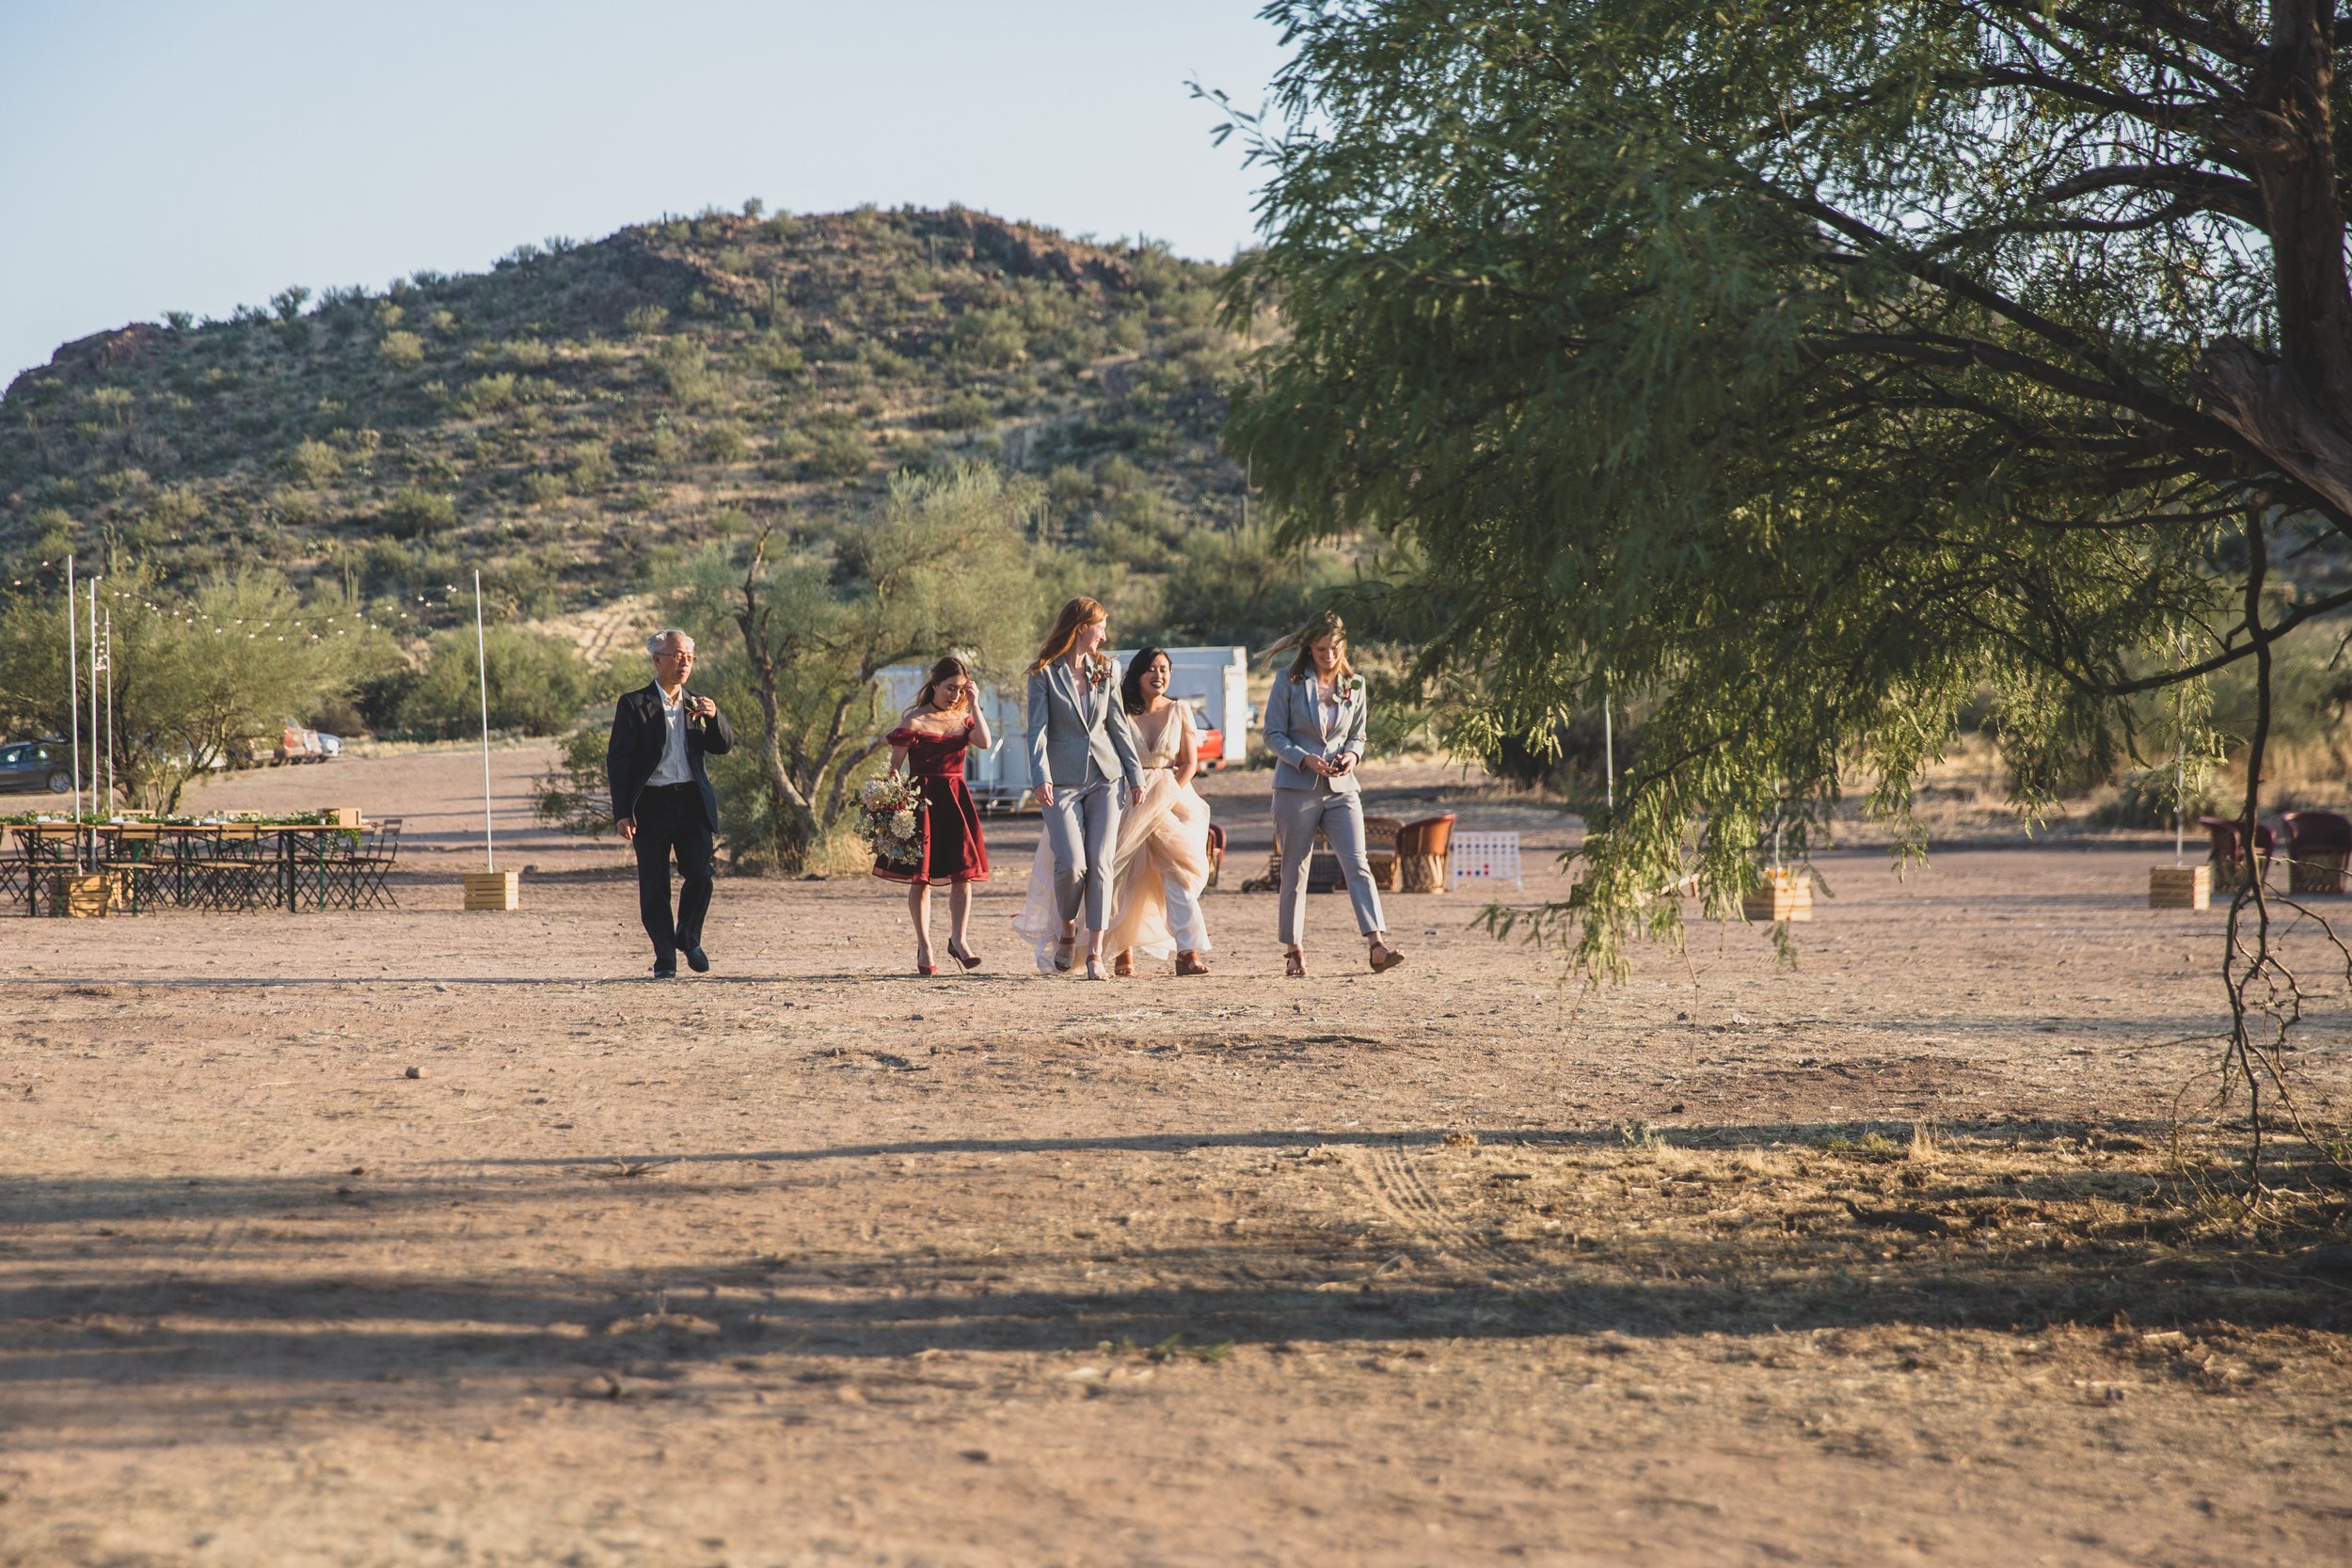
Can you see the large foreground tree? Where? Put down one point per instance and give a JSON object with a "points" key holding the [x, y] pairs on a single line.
{"points": [[1811, 369]]}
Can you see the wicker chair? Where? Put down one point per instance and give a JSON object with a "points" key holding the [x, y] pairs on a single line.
{"points": [[2228, 851], [2318, 845], [1421, 851], [1380, 845]]}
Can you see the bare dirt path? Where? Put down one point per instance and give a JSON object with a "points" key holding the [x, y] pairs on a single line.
{"points": [[809, 1262]]}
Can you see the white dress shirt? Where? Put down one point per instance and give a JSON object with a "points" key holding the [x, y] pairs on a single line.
{"points": [[674, 768]]}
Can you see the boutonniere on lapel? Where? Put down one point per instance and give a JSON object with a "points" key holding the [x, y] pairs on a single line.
{"points": [[1352, 687], [1097, 677]]}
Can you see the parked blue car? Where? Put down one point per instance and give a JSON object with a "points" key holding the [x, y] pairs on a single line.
{"points": [[36, 767]]}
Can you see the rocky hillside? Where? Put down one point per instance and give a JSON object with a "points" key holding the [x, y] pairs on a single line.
{"points": [[584, 411]]}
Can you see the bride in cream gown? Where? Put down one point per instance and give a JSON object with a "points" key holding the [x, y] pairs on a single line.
{"points": [[1161, 861], [1163, 858]]}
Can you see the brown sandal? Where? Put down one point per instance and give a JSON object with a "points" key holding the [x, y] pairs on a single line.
{"points": [[1124, 965], [1295, 964], [1189, 963], [1383, 957]]}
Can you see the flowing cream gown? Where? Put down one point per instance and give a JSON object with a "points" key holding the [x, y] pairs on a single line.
{"points": [[1167, 833], [1167, 837]]}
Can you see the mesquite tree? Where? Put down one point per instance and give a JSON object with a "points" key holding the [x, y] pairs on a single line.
{"points": [[1814, 368]]}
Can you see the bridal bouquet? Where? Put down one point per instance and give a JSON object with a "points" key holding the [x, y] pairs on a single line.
{"points": [[890, 817]]}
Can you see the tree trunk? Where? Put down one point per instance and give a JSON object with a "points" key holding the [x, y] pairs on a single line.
{"points": [[2297, 410], [793, 826]]}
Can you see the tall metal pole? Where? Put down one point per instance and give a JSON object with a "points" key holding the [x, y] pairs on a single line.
{"points": [[481, 672], [73, 701], [1608, 746], [110, 706], [97, 808]]}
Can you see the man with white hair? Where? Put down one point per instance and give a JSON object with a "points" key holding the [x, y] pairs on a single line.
{"points": [[662, 800]]}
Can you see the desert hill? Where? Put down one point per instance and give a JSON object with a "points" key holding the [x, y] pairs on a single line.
{"points": [[584, 411]]}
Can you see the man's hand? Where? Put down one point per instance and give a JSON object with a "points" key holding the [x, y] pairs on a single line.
{"points": [[628, 828], [1044, 794]]}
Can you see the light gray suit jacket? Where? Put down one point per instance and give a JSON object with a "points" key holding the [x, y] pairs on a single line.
{"points": [[1063, 742], [1293, 732]]}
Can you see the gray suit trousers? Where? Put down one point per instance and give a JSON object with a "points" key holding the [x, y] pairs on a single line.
{"points": [[1082, 832], [1298, 812]]}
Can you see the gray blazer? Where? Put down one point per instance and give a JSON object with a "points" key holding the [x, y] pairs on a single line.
{"points": [[1062, 742], [1293, 732]]}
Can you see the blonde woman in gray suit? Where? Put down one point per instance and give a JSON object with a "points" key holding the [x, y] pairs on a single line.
{"points": [[1315, 719], [1082, 756]]}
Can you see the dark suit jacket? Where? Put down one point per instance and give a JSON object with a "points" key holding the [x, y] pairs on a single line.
{"points": [[635, 750]]}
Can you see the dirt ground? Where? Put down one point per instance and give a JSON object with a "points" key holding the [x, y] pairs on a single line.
{"points": [[420, 1237]]}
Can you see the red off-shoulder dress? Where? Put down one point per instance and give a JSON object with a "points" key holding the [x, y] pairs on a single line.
{"points": [[953, 850]]}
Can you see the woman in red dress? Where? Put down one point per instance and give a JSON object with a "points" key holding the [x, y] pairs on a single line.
{"points": [[928, 747]]}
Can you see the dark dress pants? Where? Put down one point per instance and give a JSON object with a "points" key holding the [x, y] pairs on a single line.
{"points": [[670, 821]]}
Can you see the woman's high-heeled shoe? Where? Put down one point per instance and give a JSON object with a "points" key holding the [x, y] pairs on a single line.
{"points": [[924, 969], [968, 959]]}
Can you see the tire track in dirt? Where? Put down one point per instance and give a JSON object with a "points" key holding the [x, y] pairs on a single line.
{"points": [[1407, 1200]]}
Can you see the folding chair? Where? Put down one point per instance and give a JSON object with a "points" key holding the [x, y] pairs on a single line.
{"points": [[373, 863]]}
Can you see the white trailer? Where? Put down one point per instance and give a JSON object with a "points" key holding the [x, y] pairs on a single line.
{"points": [[1214, 680]]}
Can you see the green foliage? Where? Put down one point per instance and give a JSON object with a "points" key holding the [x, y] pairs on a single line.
{"points": [[315, 462], [1810, 369], [803, 626], [835, 453], [192, 673], [537, 684], [432, 412], [1242, 586], [419, 513]]}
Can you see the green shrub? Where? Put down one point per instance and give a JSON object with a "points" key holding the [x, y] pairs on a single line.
{"points": [[419, 513], [773, 353], [643, 320], [966, 410], [536, 684], [401, 349], [838, 453], [684, 371], [991, 337], [591, 465], [723, 443], [488, 394], [540, 487]]}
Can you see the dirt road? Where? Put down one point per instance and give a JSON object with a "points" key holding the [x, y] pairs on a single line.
{"points": [[1867, 1260]]}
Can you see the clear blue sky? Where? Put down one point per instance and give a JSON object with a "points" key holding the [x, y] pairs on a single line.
{"points": [[197, 154]]}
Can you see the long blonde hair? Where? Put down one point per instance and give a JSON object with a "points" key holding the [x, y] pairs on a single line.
{"points": [[949, 668], [1080, 611], [1326, 623]]}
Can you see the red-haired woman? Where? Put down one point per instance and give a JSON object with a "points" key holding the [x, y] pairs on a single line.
{"points": [[942, 722]]}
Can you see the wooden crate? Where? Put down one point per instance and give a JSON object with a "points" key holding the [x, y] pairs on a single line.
{"points": [[1785, 896], [2179, 887], [84, 895], [341, 816], [493, 890]]}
